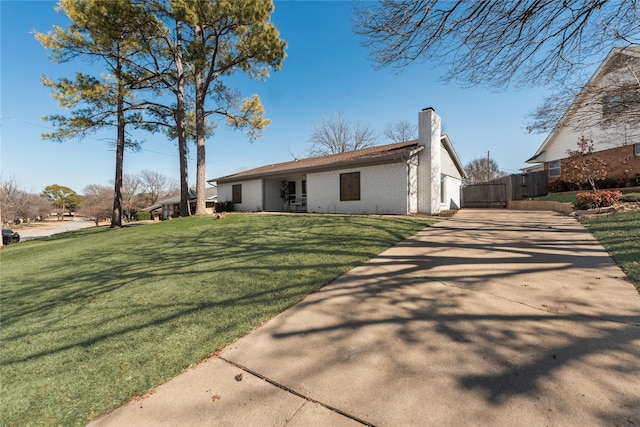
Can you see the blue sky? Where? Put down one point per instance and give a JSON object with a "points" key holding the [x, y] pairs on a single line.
{"points": [[326, 71]]}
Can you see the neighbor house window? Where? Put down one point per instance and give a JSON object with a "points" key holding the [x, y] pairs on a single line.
{"points": [[236, 191], [443, 194], [636, 149], [612, 105], [554, 169], [349, 186], [304, 188]]}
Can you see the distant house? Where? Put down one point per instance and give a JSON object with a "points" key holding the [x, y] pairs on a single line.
{"points": [[423, 175], [170, 206], [606, 111]]}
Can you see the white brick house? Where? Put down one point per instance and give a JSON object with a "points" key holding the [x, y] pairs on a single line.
{"points": [[423, 176]]}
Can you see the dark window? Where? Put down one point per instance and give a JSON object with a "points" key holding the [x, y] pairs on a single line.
{"points": [[304, 187], [636, 149], [349, 186], [615, 105], [236, 191], [292, 190], [612, 105]]}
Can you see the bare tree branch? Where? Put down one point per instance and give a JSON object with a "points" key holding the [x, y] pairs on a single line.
{"points": [[610, 102], [482, 170], [522, 43], [333, 135], [156, 185], [497, 42], [401, 131]]}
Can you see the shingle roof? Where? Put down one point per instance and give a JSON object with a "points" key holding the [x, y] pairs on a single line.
{"points": [[372, 154]]}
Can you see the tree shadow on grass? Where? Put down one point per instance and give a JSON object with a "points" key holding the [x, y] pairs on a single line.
{"points": [[76, 301], [148, 283]]}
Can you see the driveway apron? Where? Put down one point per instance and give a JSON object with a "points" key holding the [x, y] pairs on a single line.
{"points": [[492, 317]]}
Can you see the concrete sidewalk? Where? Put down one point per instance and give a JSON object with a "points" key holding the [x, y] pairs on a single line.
{"points": [[492, 317]]}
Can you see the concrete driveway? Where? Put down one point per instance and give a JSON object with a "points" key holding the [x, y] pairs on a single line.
{"points": [[492, 317]]}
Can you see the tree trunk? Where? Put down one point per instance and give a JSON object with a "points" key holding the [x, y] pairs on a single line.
{"points": [[185, 206], [116, 216], [200, 96]]}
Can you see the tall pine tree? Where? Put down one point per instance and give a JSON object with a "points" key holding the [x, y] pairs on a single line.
{"points": [[225, 37], [109, 33]]}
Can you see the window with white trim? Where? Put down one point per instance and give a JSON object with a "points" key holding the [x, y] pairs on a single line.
{"points": [[554, 169], [636, 149]]}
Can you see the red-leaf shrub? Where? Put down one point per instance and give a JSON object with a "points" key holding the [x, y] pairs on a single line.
{"points": [[599, 199]]}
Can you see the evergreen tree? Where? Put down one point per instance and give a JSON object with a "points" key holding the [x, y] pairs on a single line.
{"points": [[225, 37], [108, 32]]}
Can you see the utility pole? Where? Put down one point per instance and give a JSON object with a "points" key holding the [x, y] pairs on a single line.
{"points": [[488, 168]]}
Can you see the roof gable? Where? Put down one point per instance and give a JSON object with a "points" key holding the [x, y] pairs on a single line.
{"points": [[446, 142], [581, 101]]}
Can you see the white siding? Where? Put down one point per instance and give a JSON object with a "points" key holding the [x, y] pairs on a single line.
{"points": [[447, 166], [452, 181], [224, 193], [451, 193], [383, 190], [251, 195], [567, 139], [413, 185]]}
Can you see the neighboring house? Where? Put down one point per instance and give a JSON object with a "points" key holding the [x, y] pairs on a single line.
{"points": [[606, 111], [424, 176], [170, 206]]}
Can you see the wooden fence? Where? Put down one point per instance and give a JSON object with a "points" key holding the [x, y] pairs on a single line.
{"points": [[500, 191]]}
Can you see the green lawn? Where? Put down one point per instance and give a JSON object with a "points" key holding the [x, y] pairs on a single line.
{"points": [[627, 196], [94, 317], [620, 236], [559, 197]]}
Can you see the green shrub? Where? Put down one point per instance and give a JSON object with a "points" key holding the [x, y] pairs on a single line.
{"points": [[599, 199], [142, 216], [224, 207]]}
